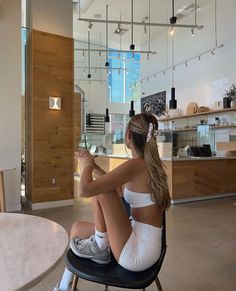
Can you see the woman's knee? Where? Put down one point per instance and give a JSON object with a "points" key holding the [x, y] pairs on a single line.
{"points": [[81, 229], [107, 196]]}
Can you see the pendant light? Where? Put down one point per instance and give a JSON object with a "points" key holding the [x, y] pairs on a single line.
{"points": [[173, 101], [107, 60], [89, 66], [132, 111], [107, 118], [132, 46]]}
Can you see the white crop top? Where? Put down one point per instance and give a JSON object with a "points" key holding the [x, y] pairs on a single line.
{"points": [[136, 199]]}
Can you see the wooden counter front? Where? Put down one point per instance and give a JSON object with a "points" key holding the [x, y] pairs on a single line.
{"points": [[204, 177]]}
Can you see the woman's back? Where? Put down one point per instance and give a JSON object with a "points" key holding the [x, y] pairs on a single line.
{"points": [[138, 188]]}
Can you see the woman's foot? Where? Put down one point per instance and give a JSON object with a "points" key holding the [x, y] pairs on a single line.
{"points": [[88, 248]]}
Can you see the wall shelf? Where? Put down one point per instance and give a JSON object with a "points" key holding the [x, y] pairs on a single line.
{"points": [[199, 114], [195, 128]]}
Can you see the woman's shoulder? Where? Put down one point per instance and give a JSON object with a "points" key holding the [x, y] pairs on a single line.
{"points": [[135, 164]]}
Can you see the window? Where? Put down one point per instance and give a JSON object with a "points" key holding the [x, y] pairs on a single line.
{"points": [[123, 82], [118, 124]]}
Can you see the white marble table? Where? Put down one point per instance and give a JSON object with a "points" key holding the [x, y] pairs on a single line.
{"points": [[30, 247]]}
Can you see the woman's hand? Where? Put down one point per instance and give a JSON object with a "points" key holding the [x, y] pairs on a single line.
{"points": [[85, 158]]}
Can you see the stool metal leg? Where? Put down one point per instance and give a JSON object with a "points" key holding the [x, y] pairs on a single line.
{"points": [[74, 283], [158, 284], [106, 288]]}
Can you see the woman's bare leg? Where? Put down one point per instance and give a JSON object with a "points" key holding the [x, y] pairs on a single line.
{"points": [[84, 229], [116, 221]]}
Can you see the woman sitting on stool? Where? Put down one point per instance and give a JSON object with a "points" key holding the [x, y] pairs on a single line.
{"points": [[135, 244]]}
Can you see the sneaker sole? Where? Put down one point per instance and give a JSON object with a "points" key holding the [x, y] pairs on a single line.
{"points": [[98, 261]]}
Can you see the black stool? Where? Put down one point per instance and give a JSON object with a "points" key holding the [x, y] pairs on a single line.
{"points": [[113, 274]]}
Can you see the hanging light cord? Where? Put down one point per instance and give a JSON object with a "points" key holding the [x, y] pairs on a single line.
{"points": [[132, 20], [100, 60], [149, 28], [173, 60], [107, 33], [195, 13], [89, 53], [216, 40], [173, 8]]}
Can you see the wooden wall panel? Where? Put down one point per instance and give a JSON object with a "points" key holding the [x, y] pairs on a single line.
{"points": [[51, 133]]}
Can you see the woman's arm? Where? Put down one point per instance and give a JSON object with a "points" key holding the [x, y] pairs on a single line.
{"points": [[98, 171], [108, 182]]}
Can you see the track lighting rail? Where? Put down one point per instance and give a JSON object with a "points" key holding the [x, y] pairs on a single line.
{"points": [[141, 23], [116, 51]]}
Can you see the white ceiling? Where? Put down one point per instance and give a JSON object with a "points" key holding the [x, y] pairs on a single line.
{"points": [[160, 12]]}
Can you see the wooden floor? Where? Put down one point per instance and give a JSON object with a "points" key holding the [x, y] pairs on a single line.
{"points": [[201, 252]]}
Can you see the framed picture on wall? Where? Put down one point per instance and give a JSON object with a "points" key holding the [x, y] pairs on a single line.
{"points": [[155, 104]]}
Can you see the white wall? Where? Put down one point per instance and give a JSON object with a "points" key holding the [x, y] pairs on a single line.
{"points": [[203, 82], [54, 16], [10, 98]]}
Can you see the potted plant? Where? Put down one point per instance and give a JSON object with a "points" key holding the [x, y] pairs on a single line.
{"points": [[229, 99]]}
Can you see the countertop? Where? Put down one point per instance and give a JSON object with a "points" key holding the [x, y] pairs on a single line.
{"points": [[175, 158]]}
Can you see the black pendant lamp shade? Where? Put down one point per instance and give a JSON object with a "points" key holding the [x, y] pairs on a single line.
{"points": [[132, 111], [107, 118], [173, 101], [88, 119]]}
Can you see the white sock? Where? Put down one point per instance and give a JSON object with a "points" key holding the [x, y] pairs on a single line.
{"points": [[66, 279], [101, 239]]}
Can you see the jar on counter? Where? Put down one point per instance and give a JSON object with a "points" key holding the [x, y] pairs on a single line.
{"points": [[217, 121]]}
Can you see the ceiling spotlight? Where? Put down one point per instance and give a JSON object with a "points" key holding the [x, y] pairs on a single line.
{"points": [[83, 54], [99, 55], [199, 59], [199, 27], [186, 64], [213, 53], [164, 72], [90, 26], [173, 68], [192, 31]]}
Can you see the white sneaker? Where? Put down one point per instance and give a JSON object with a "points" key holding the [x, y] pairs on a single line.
{"points": [[89, 249], [59, 289]]}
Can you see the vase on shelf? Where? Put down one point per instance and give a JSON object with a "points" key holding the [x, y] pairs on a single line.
{"points": [[226, 102]]}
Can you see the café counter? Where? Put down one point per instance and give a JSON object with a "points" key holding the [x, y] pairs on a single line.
{"points": [[192, 178]]}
